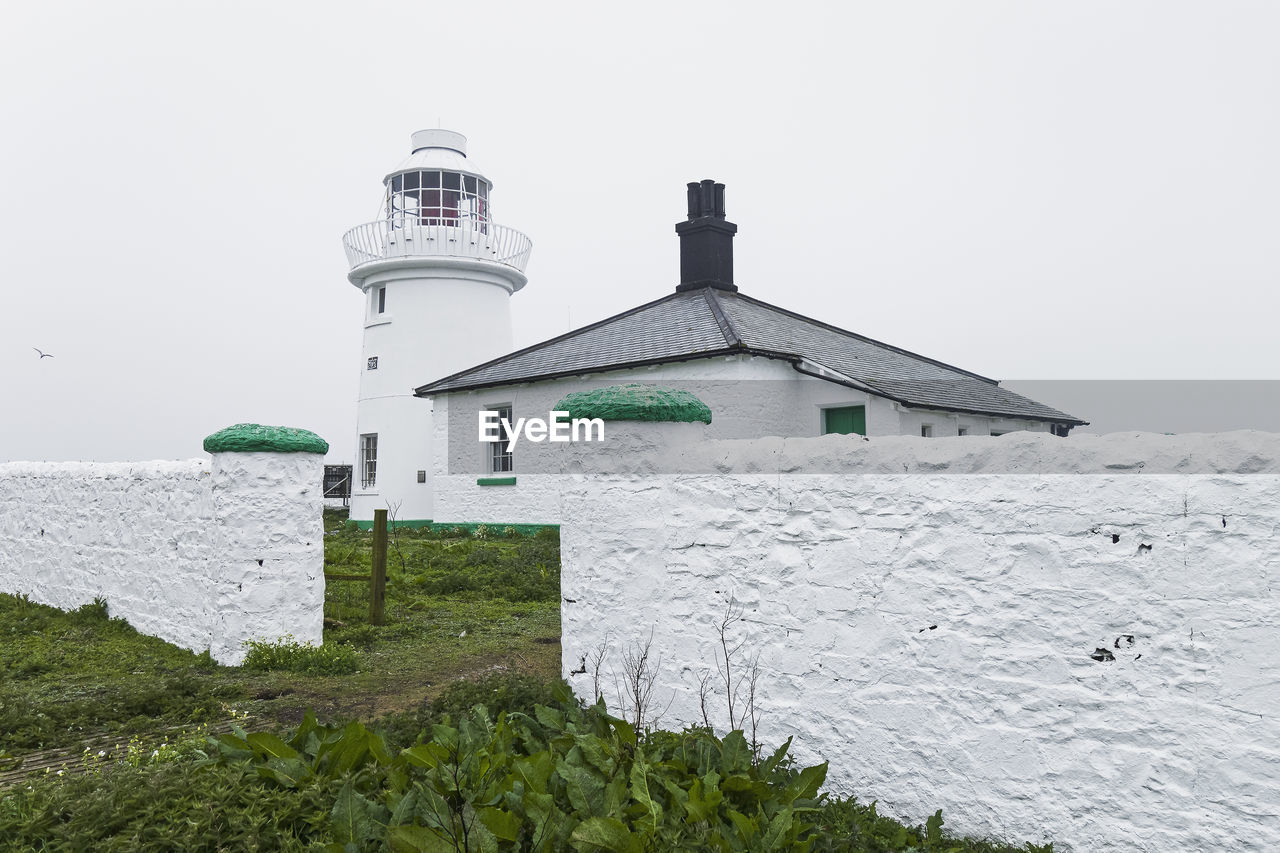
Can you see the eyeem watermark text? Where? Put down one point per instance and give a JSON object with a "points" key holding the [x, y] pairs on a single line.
{"points": [[494, 427]]}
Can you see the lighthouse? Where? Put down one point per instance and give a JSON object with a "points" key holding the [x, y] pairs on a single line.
{"points": [[436, 273]]}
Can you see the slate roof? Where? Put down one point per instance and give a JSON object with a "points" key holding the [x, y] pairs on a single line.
{"points": [[707, 322]]}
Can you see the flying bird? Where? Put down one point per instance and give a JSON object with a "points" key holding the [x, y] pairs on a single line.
{"points": [[43, 354]]}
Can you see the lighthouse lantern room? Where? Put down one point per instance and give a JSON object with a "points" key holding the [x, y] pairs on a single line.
{"points": [[437, 274]]}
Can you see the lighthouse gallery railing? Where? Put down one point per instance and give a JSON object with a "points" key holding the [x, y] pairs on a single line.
{"points": [[384, 239]]}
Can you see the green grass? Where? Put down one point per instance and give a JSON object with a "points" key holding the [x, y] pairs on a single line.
{"points": [[245, 794], [487, 564], [289, 655], [124, 809], [65, 676], [470, 619], [69, 677]]}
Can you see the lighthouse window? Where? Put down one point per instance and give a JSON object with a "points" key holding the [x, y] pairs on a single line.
{"points": [[382, 300], [369, 460], [436, 198]]}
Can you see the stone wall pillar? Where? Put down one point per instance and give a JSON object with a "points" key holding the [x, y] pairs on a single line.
{"points": [[267, 571]]}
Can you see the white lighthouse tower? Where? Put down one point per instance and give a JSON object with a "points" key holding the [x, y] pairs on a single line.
{"points": [[437, 275]]}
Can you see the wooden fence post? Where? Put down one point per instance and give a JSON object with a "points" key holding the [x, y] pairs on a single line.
{"points": [[378, 582]]}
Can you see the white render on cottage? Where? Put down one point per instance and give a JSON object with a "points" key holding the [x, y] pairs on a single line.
{"points": [[749, 396]]}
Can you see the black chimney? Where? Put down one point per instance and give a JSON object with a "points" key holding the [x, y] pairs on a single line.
{"points": [[706, 240]]}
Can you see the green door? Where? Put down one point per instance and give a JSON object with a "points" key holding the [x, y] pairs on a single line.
{"points": [[845, 420]]}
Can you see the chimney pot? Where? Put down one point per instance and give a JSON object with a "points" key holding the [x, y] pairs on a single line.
{"points": [[706, 240], [707, 201]]}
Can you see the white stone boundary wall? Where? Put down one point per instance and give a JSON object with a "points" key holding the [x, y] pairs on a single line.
{"points": [[1068, 640], [203, 554]]}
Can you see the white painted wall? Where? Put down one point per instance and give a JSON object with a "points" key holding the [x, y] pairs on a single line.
{"points": [[203, 554], [925, 612], [748, 396]]}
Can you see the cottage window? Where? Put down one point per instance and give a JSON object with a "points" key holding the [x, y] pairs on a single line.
{"points": [[500, 458], [845, 420]]}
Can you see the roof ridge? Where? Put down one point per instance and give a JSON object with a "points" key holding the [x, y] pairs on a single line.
{"points": [[548, 342], [731, 336], [906, 352]]}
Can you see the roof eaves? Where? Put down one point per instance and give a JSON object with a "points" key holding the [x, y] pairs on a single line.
{"points": [[1065, 419], [832, 375]]}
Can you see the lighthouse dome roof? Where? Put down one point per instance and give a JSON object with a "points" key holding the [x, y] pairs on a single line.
{"points": [[437, 149]]}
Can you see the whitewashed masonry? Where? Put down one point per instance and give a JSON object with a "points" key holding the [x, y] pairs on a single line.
{"points": [[750, 397], [205, 554], [1069, 640]]}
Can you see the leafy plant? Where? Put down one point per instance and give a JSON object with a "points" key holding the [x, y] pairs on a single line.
{"points": [[564, 777], [291, 656], [93, 611], [499, 692], [851, 827]]}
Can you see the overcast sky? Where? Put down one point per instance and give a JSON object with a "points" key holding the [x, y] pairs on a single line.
{"points": [[1066, 190]]}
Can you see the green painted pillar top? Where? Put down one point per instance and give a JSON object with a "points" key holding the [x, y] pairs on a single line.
{"points": [[636, 402], [259, 438]]}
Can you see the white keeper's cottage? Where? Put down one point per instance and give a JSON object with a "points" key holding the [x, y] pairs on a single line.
{"points": [[437, 273]]}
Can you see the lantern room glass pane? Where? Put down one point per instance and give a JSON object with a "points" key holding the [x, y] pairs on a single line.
{"points": [[437, 198], [450, 206]]}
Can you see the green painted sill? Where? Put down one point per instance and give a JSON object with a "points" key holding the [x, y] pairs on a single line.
{"points": [[469, 526], [496, 481]]}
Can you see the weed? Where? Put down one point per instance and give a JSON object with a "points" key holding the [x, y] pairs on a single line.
{"points": [[94, 611], [173, 806], [851, 827], [289, 655], [497, 692]]}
